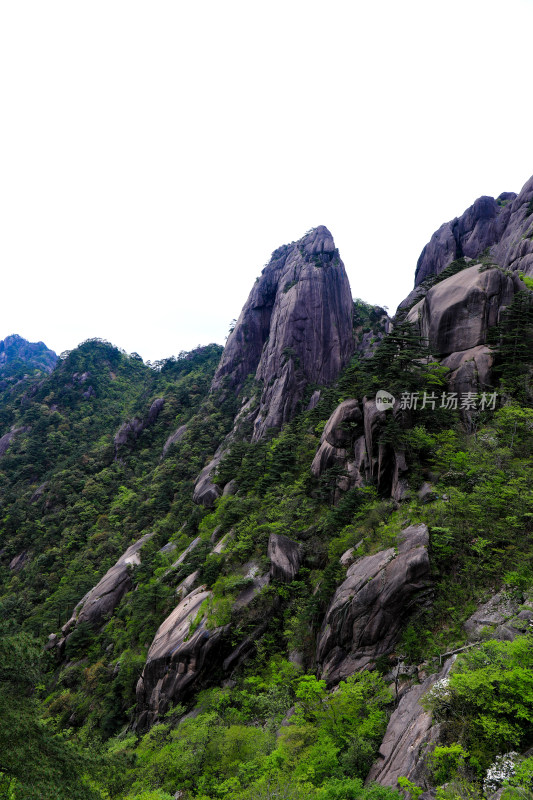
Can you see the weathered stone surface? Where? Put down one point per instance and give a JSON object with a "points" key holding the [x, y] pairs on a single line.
{"points": [[505, 225], [19, 562], [514, 248], [337, 431], [470, 369], [371, 606], [179, 660], [295, 328], [230, 488], [8, 437], [187, 584], [181, 558], [130, 431], [205, 491], [501, 617], [173, 438], [173, 660], [103, 598], [456, 313], [314, 401], [368, 459], [285, 557], [467, 235], [409, 733]]}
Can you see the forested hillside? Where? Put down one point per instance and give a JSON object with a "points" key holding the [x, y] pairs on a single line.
{"points": [[236, 575]]}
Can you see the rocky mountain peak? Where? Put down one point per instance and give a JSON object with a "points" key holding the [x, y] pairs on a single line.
{"points": [[296, 328], [502, 224], [14, 349]]}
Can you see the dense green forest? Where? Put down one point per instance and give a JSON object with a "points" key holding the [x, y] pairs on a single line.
{"points": [[74, 496]]}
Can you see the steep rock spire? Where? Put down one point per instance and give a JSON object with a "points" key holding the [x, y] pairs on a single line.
{"points": [[295, 328]]}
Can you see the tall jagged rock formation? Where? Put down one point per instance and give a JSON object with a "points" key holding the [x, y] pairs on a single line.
{"points": [[504, 225], [491, 245], [295, 329]]}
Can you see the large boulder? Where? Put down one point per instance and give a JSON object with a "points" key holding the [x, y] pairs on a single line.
{"points": [[371, 606], [176, 656], [470, 370], [351, 438], [187, 653], [99, 603], [456, 313], [409, 736], [178, 434], [337, 436], [285, 558]]}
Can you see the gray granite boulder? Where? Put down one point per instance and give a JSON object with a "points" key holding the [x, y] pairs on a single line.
{"points": [[178, 434], [285, 558], [186, 653], [470, 370], [103, 598], [371, 606], [409, 736], [8, 437], [456, 313], [130, 431], [501, 617]]}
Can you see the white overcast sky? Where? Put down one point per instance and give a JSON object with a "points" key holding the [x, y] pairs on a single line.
{"points": [[153, 154]]}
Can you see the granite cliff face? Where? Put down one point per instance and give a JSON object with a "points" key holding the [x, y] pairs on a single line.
{"points": [[504, 225], [296, 328]]}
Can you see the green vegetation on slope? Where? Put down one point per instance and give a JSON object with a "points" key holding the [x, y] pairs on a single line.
{"points": [[73, 503]]}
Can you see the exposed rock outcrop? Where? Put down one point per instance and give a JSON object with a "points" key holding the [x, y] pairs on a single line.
{"points": [[103, 598], [175, 657], [470, 369], [205, 491], [186, 652], [173, 438], [372, 604], [8, 437], [339, 432], [501, 617], [19, 561], [285, 558], [351, 438], [295, 329], [456, 314], [504, 225], [35, 355], [130, 431], [409, 735]]}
